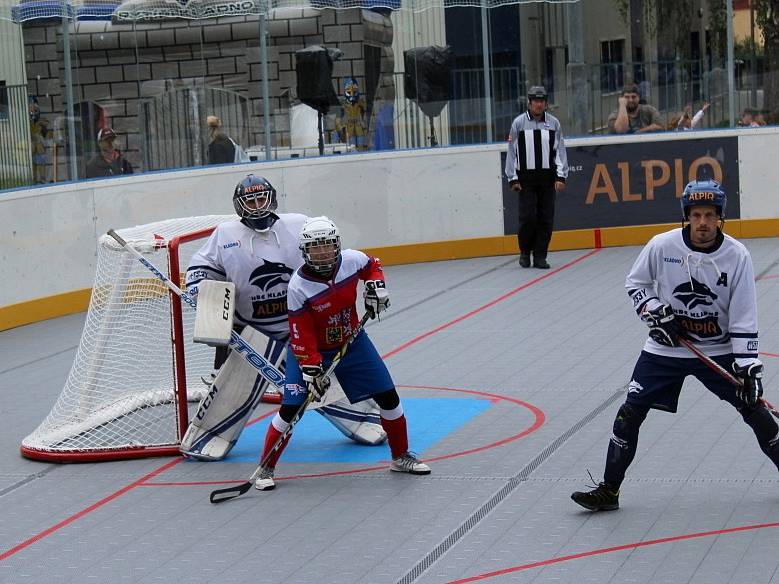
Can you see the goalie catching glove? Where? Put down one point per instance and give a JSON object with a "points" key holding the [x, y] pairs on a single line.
{"points": [[751, 375], [376, 297], [316, 380], [663, 326]]}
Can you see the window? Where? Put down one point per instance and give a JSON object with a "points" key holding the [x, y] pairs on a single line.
{"points": [[612, 76]]}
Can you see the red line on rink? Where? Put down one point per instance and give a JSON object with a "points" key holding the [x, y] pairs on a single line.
{"points": [[8, 553], [490, 304], [80, 514], [608, 550]]}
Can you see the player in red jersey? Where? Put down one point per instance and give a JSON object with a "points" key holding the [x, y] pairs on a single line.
{"points": [[321, 298]]}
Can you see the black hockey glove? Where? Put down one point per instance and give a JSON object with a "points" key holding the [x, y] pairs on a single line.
{"points": [[316, 380], [752, 377], [663, 326], [376, 297]]}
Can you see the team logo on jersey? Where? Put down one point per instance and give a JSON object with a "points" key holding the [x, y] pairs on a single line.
{"points": [[272, 279], [697, 294], [269, 275], [231, 245], [334, 334]]}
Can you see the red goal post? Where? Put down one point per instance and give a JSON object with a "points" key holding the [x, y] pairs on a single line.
{"points": [[136, 368]]}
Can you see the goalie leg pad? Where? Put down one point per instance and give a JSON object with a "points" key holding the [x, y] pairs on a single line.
{"points": [[360, 422], [236, 391]]}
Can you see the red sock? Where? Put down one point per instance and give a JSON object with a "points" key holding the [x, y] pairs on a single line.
{"points": [[270, 439], [397, 436]]}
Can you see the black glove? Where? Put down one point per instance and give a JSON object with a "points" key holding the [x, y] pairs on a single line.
{"points": [[663, 326], [316, 380], [752, 377], [376, 297]]}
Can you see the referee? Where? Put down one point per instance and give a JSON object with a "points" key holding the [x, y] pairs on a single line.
{"points": [[536, 167]]}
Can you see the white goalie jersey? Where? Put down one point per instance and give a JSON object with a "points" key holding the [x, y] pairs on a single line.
{"points": [[259, 264], [712, 294]]}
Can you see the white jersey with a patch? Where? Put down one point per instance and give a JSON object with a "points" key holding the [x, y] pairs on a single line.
{"points": [[712, 294], [259, 264]]}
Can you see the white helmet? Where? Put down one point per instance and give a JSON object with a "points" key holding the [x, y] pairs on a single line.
{"points": [[320, 242]]}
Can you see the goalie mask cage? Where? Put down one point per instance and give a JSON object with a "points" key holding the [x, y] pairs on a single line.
{"points": [[136, 367]]}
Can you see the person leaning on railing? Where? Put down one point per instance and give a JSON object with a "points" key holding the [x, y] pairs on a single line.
{"points": [[631, 117]]}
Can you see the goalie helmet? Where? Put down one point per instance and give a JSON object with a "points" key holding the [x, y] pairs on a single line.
{"points": [[703, 192], [320, 242], [255, 202]]}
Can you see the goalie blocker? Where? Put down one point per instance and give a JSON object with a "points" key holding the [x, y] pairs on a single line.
{"points": [[237, 390]]}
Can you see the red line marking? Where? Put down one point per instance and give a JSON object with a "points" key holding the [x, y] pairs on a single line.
{"points": [[598, 239], [490, 304], [608, 550], [166, 466], [80, 514], [768, 277], [539, 421], [769, 354]]}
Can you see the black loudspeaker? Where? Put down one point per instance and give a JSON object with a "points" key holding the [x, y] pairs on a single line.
{"points": [[314, 68], [428, 77]]}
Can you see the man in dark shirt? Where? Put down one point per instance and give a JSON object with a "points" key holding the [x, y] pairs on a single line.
{"points": [[109, 161], [632, 117]]}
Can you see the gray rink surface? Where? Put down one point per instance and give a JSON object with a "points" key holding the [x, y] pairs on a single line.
{"points": [[564, 343]]}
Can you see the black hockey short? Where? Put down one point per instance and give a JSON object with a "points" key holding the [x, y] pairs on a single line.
{"points": [[657, 380]]}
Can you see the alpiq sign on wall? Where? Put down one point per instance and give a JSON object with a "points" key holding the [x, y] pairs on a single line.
{"points": [[635, 184]]}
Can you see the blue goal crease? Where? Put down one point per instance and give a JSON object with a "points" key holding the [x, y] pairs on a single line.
{"points": [[317, 440]]}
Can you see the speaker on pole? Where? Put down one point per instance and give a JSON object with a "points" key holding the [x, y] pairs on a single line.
{"points": [[428, 80], [314, 71]]}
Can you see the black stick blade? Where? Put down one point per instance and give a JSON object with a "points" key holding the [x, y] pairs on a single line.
{"points": [[220, 495]]}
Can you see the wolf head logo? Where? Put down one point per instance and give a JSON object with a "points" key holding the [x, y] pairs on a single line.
{"points": [[695, 295], [269, 275]]}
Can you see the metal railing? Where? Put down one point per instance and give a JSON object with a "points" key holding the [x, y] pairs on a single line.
{"points": [[15, 145]]}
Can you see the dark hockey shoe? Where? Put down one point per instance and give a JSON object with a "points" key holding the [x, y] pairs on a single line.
{"points": [[602, 498], [524, 260], [540, 263]]}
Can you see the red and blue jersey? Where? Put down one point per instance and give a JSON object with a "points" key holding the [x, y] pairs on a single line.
{"points": [[323, 312]]}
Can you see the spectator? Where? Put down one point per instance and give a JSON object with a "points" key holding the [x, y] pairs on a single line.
{"points": [[631, 117], [748, 119], [221, 149], [108, 161], [686, 121], [39, 136], [760, 118]]}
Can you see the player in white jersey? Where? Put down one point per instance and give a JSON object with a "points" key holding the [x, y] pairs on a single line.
{"points": [[258, 252], [697, 283]]}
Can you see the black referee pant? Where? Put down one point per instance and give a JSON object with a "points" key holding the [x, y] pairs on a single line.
{"points": [[536, 218]]}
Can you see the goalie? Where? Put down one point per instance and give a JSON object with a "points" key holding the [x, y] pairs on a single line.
{"points": [[258, 253]]}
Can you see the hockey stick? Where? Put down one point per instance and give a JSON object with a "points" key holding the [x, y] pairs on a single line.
{"points": [[724, 373], [220, 495], [266, 369]]}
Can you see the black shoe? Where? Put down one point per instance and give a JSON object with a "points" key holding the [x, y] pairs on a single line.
{"points": [[524, 260], [541, 263], [602, 498]]}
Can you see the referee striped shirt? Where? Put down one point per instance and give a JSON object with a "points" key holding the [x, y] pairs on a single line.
{"points": [[536, 150]]}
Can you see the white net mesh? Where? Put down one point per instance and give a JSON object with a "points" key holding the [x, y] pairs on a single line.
{"points": [[119, 395], [139, 10]]}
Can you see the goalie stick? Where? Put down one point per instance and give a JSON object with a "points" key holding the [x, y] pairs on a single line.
{"points": [[221, 495], [266, 369], [724, 373]]}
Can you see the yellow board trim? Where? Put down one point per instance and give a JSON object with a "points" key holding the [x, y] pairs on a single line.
{"points": [[77, 301]]}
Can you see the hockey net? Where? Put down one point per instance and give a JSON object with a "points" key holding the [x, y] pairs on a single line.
{"points": [[136, 367]]}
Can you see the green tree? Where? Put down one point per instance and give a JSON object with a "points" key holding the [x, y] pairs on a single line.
{"points": [[767, 18]]}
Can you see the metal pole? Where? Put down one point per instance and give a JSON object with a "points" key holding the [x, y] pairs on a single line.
{"points": [[265, 84], [731, 66], [69, 93], [485, 48]]}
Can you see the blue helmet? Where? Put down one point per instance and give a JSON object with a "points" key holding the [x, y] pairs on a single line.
{"points": [[255, 202], [703, 192]]}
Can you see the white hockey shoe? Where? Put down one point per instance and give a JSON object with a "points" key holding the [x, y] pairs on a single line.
{"points": [[409, 463], [265, 481]]}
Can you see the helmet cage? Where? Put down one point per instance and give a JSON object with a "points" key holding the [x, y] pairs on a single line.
{"points": [[320, 243], [703, 192], [255, 203]]}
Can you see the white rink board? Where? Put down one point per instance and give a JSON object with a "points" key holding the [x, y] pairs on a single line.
{"points": [[48, 234]]}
